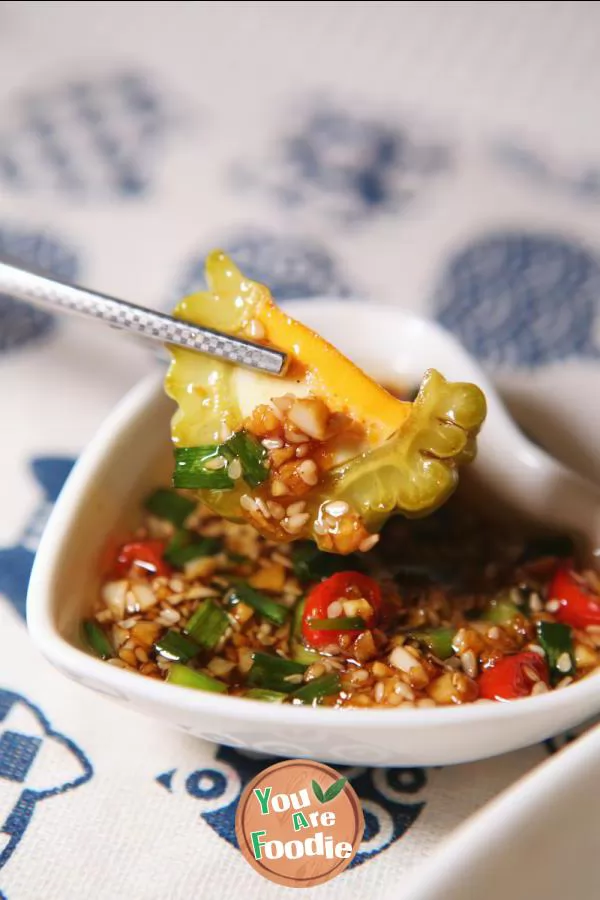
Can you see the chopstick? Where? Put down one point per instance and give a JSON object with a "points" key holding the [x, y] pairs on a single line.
{"points": [[50, 293]]}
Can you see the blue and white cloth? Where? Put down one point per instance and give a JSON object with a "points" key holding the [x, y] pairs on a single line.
{"points": [[394, 151]]}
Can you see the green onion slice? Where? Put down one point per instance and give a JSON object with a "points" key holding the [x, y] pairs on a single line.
{"points": [[265, 695], [338, 623], [208, 624], [501, 610], [437, 640], [270, 672], [252, 456], [96, 639], [556, 640], [191, 471], [177, 647], [186, 677], [185, 546], [268, 608], [314, 691], [166, 504], [297, 649]]}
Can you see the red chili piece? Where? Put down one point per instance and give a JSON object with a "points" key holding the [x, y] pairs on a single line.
{"points": [[509, 677], [145, 555], [341, 586], [579, 605]]}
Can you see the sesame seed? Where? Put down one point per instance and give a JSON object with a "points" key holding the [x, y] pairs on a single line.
{"points": [[295, 508], [262, 506], [404, 691], [247, 503], [170, 616], [234, 469], [296, 678], [308, 472], [218, 462], [272, 443], [276, 509], [531, 674], [469, 663], [334, 610], [294, 436], [368, 543], [302, 450], [379, 691], [535, 648], [293, 524], [563, 663], [359, 675], [402, 659], [337, 508], [553, 606], [535, 602], [278, 488]]}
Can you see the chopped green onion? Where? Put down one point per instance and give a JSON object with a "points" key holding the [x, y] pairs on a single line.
{"points": [[312, 564], [208, 624], [270, 672], [262, 604], [264, 695], [177, 647], [166, 504], [97, 640], [547, 545], [186, 677], [318, 688], [298, 651], [338, 623], [191, 471], [437, 640], [185, 546], [252, 456], [501, 610], [556, 640]]}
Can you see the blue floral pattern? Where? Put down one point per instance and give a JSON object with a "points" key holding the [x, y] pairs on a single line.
{"points": [[36, 763], [50, 473], [20, 322], [350, 166], [87, 137], [578, 182], [522, 299], [291, 266]]}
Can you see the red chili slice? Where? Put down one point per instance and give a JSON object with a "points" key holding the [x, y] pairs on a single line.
{"points": [[145, 555], [579, 605], [341, 586], [509, 677]]}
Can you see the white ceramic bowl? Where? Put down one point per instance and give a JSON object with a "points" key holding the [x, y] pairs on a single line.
{"points": [[130, 455]]}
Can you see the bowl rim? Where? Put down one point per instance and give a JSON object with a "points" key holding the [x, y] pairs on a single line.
{"points": [[81, 665]]}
